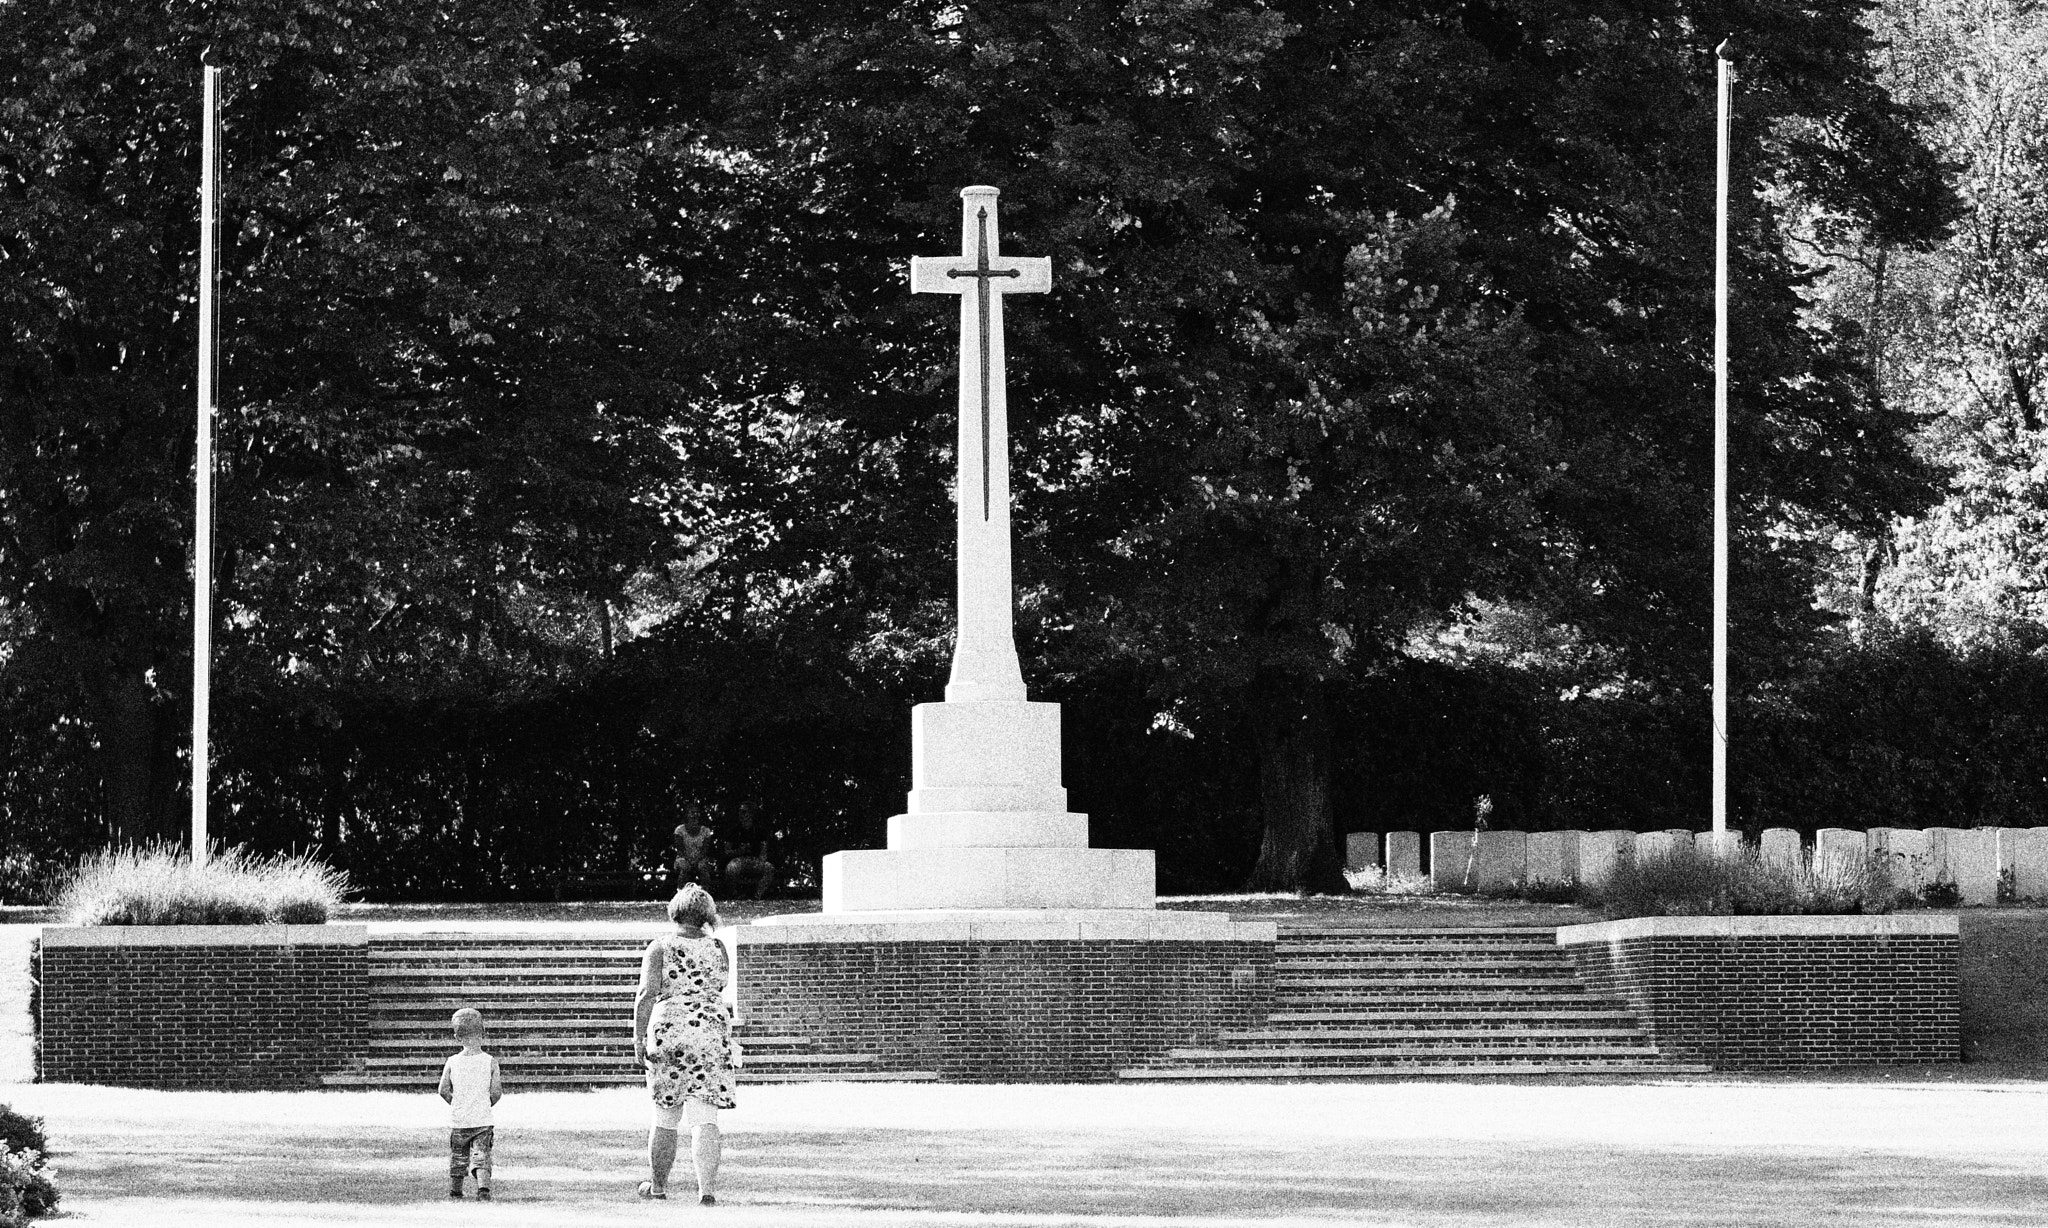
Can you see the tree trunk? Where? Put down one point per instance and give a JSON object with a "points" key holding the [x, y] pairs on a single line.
{"points": [[127, 731], [1298, 852]]}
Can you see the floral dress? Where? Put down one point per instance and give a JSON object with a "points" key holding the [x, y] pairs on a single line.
{"points": [[689, 1036]]}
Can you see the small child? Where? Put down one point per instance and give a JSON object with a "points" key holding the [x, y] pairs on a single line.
{"points": [[470, 1083]]}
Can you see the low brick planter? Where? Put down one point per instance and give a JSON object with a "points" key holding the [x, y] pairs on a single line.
{"points": [[202, 1006], [1782, 993], [982, 1009]]}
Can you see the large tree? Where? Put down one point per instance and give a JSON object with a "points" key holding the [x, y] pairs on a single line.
{"points": [[1361, 310], [443, 391]]}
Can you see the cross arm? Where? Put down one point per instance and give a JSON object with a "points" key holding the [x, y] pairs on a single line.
{"points": [[956, 274]]}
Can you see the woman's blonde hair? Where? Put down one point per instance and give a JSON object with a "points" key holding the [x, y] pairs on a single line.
{"points": [[693, 906]]}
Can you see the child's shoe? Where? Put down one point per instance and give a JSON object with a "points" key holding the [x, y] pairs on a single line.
{"points": [[483, 1193]]}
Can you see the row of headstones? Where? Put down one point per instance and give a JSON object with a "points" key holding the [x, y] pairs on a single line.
{"points": [[1971, 858]]}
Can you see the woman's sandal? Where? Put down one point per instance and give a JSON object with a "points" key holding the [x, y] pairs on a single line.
{"points": [[647, 1190]]}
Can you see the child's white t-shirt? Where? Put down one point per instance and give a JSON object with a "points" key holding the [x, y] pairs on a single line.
{"points": [[469, 1074]]}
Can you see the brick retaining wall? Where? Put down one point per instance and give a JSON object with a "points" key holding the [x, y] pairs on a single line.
{"points": [[1782, 993], [242, 1007], [1005, 1010]]}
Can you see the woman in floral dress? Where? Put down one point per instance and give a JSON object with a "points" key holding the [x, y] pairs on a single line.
{"points": [[682, 1033]]}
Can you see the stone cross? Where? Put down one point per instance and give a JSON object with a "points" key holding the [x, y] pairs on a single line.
{"points": [[985, 664]]}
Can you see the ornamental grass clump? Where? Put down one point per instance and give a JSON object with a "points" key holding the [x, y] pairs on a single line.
{"points": [[1687, 881], [159, 885]]}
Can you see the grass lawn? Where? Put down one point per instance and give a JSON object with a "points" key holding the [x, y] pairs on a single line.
{"points": [[1709, 1152]]}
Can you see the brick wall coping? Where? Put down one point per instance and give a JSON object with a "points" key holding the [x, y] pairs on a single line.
{"points": [[1759, 927], [1006, 925], [205, 936]]}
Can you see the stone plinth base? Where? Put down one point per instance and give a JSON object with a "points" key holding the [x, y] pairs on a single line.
{"points": [[958, 876], [994, 997], [1782, 993]]}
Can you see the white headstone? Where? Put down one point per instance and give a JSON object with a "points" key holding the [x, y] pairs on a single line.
{"points": [[1361, 851], [1404, 854], [1779, 846], [2023, 853], [1451, 855], [1968, 858], [1906, 854], [1546, 857], [1724, 843], [1839, 850], [1599, 851], [1660, 844], [1571, 841]]}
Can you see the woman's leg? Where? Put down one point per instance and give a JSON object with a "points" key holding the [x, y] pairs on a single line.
{"points": [[661, 1156], [706, 1149]]}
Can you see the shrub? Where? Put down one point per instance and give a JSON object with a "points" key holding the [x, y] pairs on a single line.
{"points": [[159, 885], [1689, 881], [1373, 880], [20, 1132], [26, 1190]]}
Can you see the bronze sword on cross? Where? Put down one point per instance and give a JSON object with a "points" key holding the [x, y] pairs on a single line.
{"points": [[980, 264]]}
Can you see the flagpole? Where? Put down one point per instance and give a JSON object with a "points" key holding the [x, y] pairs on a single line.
{"points": [[202, 518], [1725, 80]]}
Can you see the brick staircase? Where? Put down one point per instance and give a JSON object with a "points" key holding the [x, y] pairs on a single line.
{"points": [[1356, 1003], [559, 1010]]}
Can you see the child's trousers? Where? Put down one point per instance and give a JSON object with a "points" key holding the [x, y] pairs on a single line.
{"points": [[469, 1150]]}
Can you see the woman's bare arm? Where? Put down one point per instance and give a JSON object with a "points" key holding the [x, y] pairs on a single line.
{"points": [[643, 1001]]}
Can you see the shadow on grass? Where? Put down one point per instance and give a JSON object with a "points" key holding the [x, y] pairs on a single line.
{"points": [[1080, 1176]]}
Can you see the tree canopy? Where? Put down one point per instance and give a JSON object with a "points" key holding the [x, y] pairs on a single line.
{"points": [[578, 419]]}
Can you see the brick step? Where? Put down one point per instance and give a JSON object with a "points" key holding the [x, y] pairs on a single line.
{"points": [[1475, 1016], [1378, 1054], [565, 1081], [1425, 934], [512, 1062], [556, 973], [500, 1027], [1477, 1035], [1433, 1070], [1443, 969], [614, 990], [565, 948], [1487, 950], [505, 1046], [531, 949], [1411, 982]]}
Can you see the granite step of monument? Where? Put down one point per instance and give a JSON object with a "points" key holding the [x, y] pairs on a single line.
{"points": [[1431, 1070]]}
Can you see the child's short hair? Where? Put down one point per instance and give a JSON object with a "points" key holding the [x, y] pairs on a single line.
{"points": [[469, 1021], [693, 906]]}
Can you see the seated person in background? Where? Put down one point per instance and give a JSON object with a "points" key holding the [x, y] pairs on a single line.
{"points": [[696, 848], [751, 869]]}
